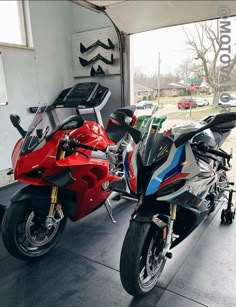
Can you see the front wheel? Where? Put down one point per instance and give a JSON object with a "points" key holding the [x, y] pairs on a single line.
{"points": [[141, 262], [25, 234]]}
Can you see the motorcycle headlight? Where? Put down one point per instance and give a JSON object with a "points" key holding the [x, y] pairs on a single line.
{"points": [[105, 185]]}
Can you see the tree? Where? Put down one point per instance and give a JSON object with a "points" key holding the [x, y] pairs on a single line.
{"points": [[187, 69], [205, 40], [151, 80]]}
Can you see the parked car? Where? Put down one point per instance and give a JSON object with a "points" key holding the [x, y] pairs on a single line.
{"points": [[201, 102], [185, 103], [230, 103], [144, 104]]}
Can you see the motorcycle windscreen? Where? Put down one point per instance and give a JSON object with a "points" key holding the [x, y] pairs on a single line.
{"points": [[44, 122], [155, 146]]}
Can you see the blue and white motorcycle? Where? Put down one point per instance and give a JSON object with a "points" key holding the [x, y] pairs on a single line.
{"points": [[178, 177]]}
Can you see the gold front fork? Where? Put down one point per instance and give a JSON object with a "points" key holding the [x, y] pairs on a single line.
{"points": [[169, 237], [54, 190], [173, 209]]}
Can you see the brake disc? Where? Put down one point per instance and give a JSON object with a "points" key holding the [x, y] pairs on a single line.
{"points": [[33, 236]]}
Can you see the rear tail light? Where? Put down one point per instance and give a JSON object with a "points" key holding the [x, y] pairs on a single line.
{"points": [[134, 120]]}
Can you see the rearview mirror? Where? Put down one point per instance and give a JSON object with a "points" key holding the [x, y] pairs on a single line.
{"points": [[122, 119], [216, 120], [223, 118], [15, 120]]}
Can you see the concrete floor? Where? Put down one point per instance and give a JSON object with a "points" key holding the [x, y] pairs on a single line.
{"points": [[83, 270]]}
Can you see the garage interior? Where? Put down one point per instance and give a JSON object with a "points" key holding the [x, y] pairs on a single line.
{"points": [[83, 270]]}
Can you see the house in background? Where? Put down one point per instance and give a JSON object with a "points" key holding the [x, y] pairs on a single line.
{"points": [[173, 90], [202, 87], [141, 91], [182, 89]]}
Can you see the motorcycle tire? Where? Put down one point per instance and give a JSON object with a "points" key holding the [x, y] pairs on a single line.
{"points": [[134, 255], [24, 245]]}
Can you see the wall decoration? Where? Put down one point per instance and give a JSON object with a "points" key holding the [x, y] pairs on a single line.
{"points": [[98, 72], [98, 43], [84, 62], [95, 46]]}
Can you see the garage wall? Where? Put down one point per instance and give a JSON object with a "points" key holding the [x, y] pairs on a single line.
{"points": [[38, 75], [84, 20]]}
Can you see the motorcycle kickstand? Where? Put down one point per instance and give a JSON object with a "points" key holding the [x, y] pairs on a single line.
{"points": [[108, 205], [228, 214]]}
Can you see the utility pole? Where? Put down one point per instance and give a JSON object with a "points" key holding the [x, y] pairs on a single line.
{"points": [[158, 79]]}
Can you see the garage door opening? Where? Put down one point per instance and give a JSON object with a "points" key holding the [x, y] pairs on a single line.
{"points": [[189, 70]]}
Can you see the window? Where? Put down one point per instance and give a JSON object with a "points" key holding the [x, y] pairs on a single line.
{"points": [[12, 29], [3, 92], [139, 93]]}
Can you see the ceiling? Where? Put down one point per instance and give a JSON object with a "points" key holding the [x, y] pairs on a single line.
{"points": [[139, 16]]}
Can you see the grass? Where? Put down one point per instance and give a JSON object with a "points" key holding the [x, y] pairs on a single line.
{"points": [[197, 113]]}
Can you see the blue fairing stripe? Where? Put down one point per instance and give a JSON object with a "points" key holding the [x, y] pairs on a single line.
{"points": [[155, 183], [126, 165]]}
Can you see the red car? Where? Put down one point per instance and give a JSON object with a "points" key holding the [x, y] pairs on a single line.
{"points": [[185, 103]]}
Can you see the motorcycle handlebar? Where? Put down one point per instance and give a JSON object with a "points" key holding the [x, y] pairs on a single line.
{"points": [[71, 144], [219, 153], [87, 147], [204, 148]]}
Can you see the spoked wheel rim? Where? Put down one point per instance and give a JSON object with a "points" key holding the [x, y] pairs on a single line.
{"points": [[151, 262], [32, 235]]}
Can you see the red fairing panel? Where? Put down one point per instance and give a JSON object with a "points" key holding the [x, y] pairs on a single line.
{"points": [[89, 173]]}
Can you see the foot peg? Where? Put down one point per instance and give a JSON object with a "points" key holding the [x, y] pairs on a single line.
{"points": [[108, 206]]}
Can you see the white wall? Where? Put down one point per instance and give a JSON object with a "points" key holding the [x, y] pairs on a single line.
{"points": [[38, 75], [84, 20]]}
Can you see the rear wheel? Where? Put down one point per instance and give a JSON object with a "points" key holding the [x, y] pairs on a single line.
{"points": [[141, 263], [25, 234]]}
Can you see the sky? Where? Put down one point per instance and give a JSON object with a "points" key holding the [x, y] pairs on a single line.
{"points": [[171, 42]]}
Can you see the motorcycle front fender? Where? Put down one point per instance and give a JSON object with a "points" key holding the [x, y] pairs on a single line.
{"points": [[40, 197], [186, 220], [152, 213]]}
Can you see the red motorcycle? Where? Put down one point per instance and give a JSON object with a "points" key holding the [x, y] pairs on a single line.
{"points": [[68, 164]]}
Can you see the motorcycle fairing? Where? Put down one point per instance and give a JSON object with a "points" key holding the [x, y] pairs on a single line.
{"points": [[180, 165], [190, 201], [130, 166], [171, 167], [61, 179], [190, 219]]}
